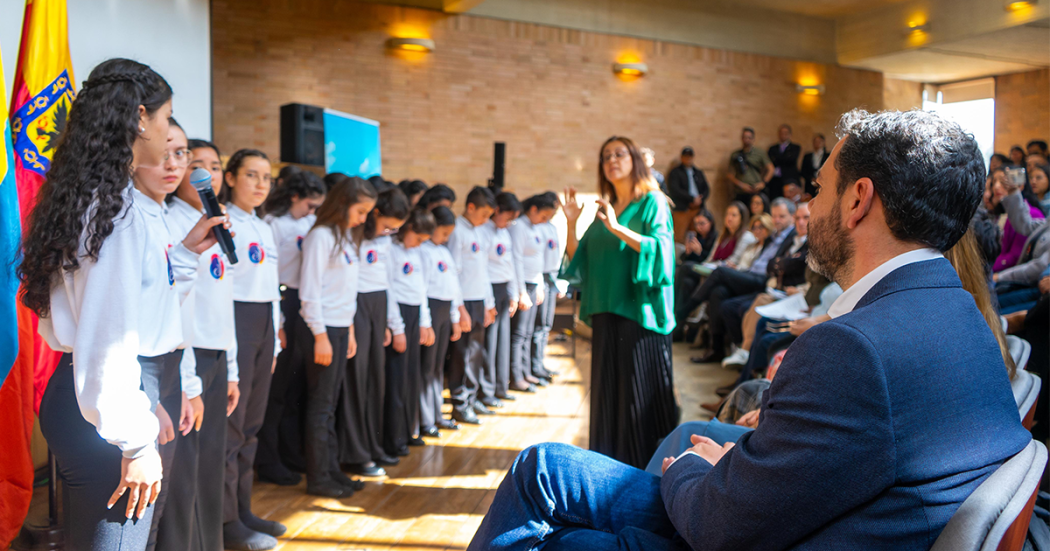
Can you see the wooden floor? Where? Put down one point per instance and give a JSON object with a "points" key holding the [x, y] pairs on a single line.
{"points": [[437, 496]]}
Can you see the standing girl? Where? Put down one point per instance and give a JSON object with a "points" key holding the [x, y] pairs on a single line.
{"points": [[551, 264], [528, 256], [408, 285], [96, 252], [256, 296], [445, 303], [377, 312], [329, 303], [495, 378], [290, 212]]}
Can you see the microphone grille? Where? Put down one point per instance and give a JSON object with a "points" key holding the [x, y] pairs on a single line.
{"points": [[200, 178]]}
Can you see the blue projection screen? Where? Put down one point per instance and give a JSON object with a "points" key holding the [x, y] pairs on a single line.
{"points": [[351, 145]]}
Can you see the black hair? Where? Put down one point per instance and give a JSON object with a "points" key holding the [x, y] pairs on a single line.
{"points": [[391, 203], [302, 184], [443, 216], [233, 166], [196, 143], [928, 173], [285, 173], [333, 178], [481, 197], [89, 174], [541, 201], [419, 221], [334, 212], [821, 136], [748, 129], [765, 202], [1019, 148], [412, 187], [1002, 158], [437, 193], [1041, 144], [380, 184], [788, 126], [508, 202], [989, 237]]}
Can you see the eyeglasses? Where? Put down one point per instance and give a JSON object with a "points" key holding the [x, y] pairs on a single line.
{"points": [[182, 156], [617, 155]]}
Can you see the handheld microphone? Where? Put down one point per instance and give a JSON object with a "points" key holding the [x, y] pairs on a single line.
{"points": [[200, 179]]}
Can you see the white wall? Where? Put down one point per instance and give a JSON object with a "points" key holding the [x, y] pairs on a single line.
{"points": [[171, 36]]}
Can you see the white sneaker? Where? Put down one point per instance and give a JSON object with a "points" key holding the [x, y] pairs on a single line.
{"points": [[737, 358]]}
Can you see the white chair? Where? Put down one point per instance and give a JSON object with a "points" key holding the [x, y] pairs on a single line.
{"points": [[1020, 350], [1025, 384], [997, 513]]}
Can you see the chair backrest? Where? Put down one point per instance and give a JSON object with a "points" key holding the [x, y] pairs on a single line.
{"points": [[1020, 350], [997, 513]]}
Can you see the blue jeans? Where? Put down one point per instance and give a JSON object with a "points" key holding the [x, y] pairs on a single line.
{"points": [[678, 441]]}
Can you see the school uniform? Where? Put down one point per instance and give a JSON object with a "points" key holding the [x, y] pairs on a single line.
{"points": [[494, 381], [528, 260], [444, 299], [376, 311], [256, 308], [117, 322], [192, 518], [545, 316], [469, 248], [408, 285], [280, 439], [328, 295]]}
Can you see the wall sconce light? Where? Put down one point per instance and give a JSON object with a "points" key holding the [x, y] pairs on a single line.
{"points": [[814, 90], [411, 44], [915, 27], [630, 69], [1018, 5]]}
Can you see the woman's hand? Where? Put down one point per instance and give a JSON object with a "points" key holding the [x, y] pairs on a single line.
{"points": [[167, 430], [196, 415], [540, 294], [693, 246], [201, 238], [457, 332], [387, 337], [524, 302], [233, 395], [571, 206], [465, 322], [142, 477], [490, 316], [282, 339], [426, 336], [351, 345], [322, 349], [400, 343], [512, 308], [607, 214]]}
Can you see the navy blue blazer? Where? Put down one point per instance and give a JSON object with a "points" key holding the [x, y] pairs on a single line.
{"points": [[877, 427]]}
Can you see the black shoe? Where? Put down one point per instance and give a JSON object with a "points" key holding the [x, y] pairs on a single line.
{"points": [[465, 416], [386, 460], [553, 372], [542, 382], [710, 357], [524, 387], [724, 391], [417, 441], [447, 424], [506, 397], [237, 536], [432, 432], [492, 403], [543, 374], [329, 489], [345, 481], [275, 529], [402, 451], [278, 474], [366, 469], [482, 409]]}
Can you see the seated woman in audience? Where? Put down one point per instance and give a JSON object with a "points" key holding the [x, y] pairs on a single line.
{"points": [[1017, 286], [759, 204], [1013, 240], [1017, 155], [699, 244], [735, 236], [1039, 180]]}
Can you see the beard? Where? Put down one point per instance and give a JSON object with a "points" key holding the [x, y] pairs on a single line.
{"points": [[830, 246]]}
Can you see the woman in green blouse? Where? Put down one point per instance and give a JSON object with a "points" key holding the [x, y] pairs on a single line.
{"points": [[624, 269]]}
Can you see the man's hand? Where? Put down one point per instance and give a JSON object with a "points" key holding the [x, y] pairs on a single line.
{"points": [[282, 339], [426, 336], [196, 415], [457, 332], [540, 294], [1044, 285], [233, 395], [512, 308], [322, 349], [464, 320], [167, 429], [695, 203], [351, 347], [490, 316], [749, 419], [524, 302], [800, 326], [387, 337], [708, 449], [400, 343]]}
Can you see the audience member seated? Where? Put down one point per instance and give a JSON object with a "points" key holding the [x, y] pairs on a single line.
{"points": [[1017, 155], [997, 160], [811, 163], [759, 204], [784, 155], [750, 169], [735, 238], [699, 244], [1039, 179], [1035, 328], [1013, 241], [1017, 286], [1038, 147]]}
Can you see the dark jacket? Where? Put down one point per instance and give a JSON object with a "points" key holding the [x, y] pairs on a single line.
{"points": [[789, 269], [877, 427], [808, 173], [787, 162], [707, 246], [678, 187]]}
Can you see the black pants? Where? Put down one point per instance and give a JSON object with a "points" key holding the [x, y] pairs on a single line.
{"points": [[171, 399], [89, 467], [402, 385], [280, 439], [723, 283], [468, 358], [192, 519], [495, 378], [254, 323], [732, 313], [432, 363], [522, 326], [544, 323], [366, 382], [686, 282], [324, 384]]}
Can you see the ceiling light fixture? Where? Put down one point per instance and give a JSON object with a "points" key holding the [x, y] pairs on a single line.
{"points": [[814, 90], [630, 69], [411, 44], [1018, 5]]}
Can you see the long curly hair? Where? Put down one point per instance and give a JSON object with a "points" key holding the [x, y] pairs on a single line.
{"points": [[92, 164]]}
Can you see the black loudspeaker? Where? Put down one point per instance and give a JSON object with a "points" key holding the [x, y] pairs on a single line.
{"points": [[499, 158], [302, 134]]}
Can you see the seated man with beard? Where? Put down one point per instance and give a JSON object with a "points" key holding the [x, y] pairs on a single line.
{"points": [[880, 422]]}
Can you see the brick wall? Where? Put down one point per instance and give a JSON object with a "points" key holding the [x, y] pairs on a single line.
{"points": [[901, 95], [548, 92], [1022, 108]]}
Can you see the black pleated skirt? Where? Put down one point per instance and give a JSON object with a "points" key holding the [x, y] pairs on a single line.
{"points": [[633, 405]]}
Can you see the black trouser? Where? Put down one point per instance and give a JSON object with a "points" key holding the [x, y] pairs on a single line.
{"points": [[280, 439], [89, 467], [432, 362], [522, 325], [732, 313], [255, 345], [722, 284], [495, 378], [192, 519], [171, 399], [686, 281], [402, 385], [324, 384], [468, 358], [367, 379], [544, 323]]}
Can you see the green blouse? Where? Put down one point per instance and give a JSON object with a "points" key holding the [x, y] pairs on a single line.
{"points": [[614, 279]]}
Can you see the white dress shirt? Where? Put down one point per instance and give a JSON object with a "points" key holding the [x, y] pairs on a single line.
{"points": [[109, 312], [501, 258], [328, 281], [256, 278], [528, 252], [409, 282], [469, 250], [376, 273], [848, 300], [442, 277], [551, 250], [288, 234]]}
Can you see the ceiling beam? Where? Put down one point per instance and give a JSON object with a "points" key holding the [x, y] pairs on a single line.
{"points": [[459, 6]]}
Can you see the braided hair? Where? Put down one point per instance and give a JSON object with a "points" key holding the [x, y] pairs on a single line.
{"points": [[90, 170]]}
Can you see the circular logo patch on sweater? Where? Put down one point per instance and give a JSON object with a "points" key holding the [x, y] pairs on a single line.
{"points": [[372, 257], [442, 267], [407, 268], [217, 267], [256, 253], [551, 244], [500, 249]]}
